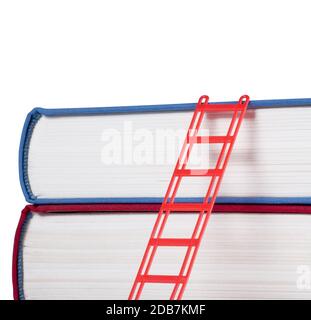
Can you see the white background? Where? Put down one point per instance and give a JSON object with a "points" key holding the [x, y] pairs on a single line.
{"points": [[104, 53]]}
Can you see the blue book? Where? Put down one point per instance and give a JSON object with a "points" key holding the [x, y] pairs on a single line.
{"points": [[127, 154]]}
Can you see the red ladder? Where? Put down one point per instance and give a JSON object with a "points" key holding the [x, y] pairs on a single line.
{"points": [[204, 209]]}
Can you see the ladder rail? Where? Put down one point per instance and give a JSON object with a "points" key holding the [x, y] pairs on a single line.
{"points": [[203, 101], [161, 223], [234, 122]]}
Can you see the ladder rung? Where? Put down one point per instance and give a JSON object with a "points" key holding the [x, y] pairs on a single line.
{"points": [[210, 139], [161, 279], [220, 107], [186, 207], [199, 172], [171, 242]]}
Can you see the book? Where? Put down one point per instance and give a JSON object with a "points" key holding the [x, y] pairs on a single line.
{"points": [[127, 154], [92, 251]]}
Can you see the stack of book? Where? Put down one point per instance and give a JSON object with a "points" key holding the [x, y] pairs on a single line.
{"points": [[95, 179]]}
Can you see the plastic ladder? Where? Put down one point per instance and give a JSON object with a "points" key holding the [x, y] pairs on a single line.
{"points": [[203, 209]]}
